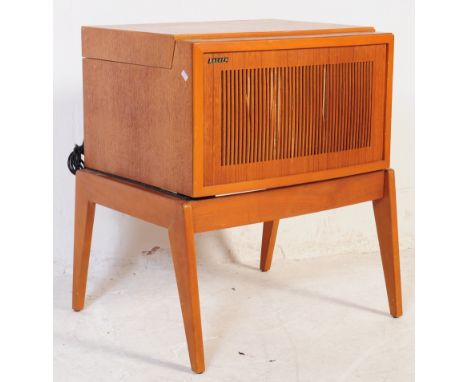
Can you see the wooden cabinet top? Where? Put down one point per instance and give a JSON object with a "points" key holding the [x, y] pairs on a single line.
{"points": [[237, 28]]}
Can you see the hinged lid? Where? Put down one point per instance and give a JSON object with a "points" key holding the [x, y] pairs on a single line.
{"points": [[153, 44]]}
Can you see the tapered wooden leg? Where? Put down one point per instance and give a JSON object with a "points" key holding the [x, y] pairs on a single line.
{"points": [[84, 219], [385, 212], [181, 237], [270, 230]]}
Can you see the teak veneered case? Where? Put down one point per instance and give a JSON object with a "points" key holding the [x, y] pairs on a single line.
{"points": [[221, 107]]}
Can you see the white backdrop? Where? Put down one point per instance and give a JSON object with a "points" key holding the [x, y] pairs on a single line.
{"points": [[117, 237]]}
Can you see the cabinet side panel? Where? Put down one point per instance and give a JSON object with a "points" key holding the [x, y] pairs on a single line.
{"points": [[138, 120]]}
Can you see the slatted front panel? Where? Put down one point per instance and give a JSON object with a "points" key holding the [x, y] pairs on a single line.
{"points": [[289, 112], [281, 113]]}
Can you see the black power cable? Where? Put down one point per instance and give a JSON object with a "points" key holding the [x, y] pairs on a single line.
{"points": [[75, 160]]}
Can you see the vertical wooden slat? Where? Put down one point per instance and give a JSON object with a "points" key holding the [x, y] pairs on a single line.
{"points": [[355, 106], [365, 104], [361, 103], [284, 112], [227, 116], [330, 104], [310, 85], [287, 139], [245, 112], [333, 98], [289, 111], [320, 91], [331, 124], [249, 115], [366, 100], [369, 100], [313, 86], [292, 108], [317, 109], [247, 105], [327, 108], [305, 111], [347, 103], [295, 115], [346, 107], [235, 118], [302, 113], [305, 90], [340, 106], [351, 106], [349, 99], [281, 118], [246, 115], [324, 110], [259, 114], [275, 112], [298, 111], [337, 96], [263, 124], [268, 114], [265, 113], [255, 115], [223, 116], [314, 109], [357, 132], [361, 125], [280, 113], [241, 117], [231, 119], [252, 114]]}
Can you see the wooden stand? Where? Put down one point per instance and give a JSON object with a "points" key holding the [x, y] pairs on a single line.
{"points": [[183, 217]]}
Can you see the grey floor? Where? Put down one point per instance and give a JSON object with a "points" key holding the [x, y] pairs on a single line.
{"points": [[319, 319]]}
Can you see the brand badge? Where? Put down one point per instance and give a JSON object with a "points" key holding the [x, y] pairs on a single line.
{"points": [[218, 60]]}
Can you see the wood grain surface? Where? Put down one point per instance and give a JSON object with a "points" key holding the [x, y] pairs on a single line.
{"points": [[138, 120]]}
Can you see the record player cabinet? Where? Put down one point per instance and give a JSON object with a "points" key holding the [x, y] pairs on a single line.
{"points": [[203, 126]]}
